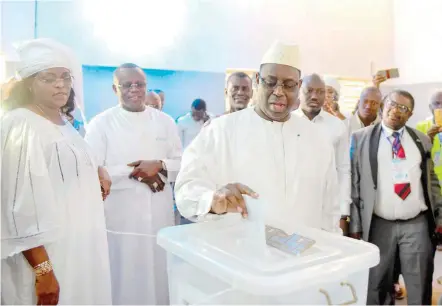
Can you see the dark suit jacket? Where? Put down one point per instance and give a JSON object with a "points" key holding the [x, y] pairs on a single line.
{"points": [[364, 173]]}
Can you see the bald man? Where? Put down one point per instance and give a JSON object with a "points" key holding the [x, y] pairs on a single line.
{"points": [[154, 100], [313, 98], [141, 149], [239, 91], [367, 111]]}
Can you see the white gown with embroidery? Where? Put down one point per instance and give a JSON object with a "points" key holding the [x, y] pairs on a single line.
{"points": [[134, 214], [51, 196]]}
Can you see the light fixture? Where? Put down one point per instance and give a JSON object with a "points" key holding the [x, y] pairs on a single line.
{"points": [[136, 27]]}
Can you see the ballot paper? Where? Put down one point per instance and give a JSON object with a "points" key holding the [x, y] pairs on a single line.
{"points": [[293, 244], [255, 224], [262, 235]]}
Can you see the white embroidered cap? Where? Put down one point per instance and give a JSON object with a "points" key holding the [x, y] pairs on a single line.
{"points": [[283, 54]]}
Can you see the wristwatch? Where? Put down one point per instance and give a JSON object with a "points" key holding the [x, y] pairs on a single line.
{"points": [[345, 218]]}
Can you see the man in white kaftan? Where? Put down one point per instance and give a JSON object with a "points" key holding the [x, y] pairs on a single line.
{"points": [[285, 160], [140, 205]]}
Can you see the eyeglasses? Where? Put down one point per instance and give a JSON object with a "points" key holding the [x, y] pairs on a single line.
{"points": [[273, 84], [127, 86], [67, 80], [402, 108]]}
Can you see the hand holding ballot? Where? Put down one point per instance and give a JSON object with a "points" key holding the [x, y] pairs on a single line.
{"points": [[230, 198]]}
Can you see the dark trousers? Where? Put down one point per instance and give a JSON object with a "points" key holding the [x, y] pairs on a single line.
{"points": [[409, 240], [397, 268]]}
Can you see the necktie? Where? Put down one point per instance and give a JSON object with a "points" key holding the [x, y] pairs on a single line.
{"points": [[401, 189]]}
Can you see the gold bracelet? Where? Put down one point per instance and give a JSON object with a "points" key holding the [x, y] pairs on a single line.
{"points": [[43, 268]]}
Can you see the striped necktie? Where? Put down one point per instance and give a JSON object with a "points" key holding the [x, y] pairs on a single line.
{"points": [[402, 189]]}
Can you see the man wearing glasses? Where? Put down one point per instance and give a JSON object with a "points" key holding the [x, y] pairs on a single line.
{"points": [[396, 201], [263, 152], [141, 150], [312, 97]]}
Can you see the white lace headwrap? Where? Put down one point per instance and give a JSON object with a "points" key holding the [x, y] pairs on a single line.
{"points": [[43, 53]]}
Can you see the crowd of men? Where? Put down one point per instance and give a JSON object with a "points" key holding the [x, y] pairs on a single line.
{"points": [[368, 176], [386, 196]]}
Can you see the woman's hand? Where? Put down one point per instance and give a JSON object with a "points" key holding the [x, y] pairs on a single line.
{"points": [[47, 289], [105, 182]]}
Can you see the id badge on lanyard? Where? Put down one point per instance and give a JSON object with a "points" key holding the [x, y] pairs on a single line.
{"points": [[400, 172]]}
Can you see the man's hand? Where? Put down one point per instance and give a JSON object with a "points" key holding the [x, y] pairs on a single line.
{"points": [[378, 79], [356, 235], [47, 289], [105, 182], [433, 131], [145, 168], [229, 199], [155, 183]]}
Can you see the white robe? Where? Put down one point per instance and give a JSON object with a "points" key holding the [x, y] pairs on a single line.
{"points": [[290, 165], [133, 213], [51, 197]]}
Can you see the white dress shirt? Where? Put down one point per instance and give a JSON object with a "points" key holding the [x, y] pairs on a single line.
{"points": [[336, 131], [388, 204], [188, 128], [354, 123]]}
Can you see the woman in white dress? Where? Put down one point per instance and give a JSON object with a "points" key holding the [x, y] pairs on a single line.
{"points": [[54, 247]]}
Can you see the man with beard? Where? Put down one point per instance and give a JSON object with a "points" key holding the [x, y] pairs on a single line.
{"points": [[312, 98], [141, 150], [263, 151], [397, 201]]}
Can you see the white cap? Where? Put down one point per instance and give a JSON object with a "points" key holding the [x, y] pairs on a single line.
{"points": [[283, 54], [332, 82]]}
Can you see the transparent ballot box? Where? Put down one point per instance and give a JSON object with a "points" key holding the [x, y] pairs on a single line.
{"points": [[227, 261]]}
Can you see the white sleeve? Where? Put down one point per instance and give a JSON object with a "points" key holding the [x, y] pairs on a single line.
{"points": [[29, 213], [196, 181], [96, 140], [331, 209], [344, 174], [173, 159]]}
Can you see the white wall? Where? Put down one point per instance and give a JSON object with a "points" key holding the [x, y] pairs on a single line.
{"points": [[17, 24], [422, 93], [418, 40], [336, 37]]}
